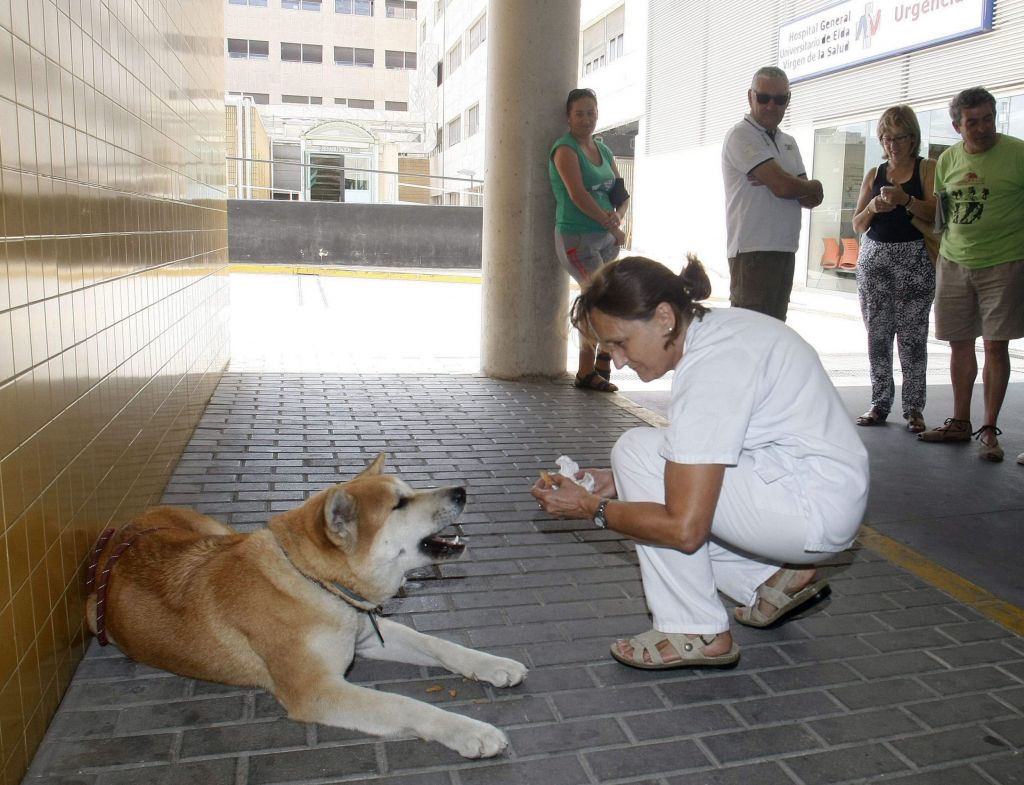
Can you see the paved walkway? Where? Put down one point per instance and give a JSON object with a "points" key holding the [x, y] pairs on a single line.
{"points": [[889, 679]]}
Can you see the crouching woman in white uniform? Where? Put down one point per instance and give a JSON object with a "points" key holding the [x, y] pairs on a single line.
{"points": [[758, 476]]}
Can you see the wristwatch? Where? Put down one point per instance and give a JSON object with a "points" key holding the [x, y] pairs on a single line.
{"points": [[600, 521]]}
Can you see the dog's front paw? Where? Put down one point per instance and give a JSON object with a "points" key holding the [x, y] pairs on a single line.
{"points": [[477, 740], [500, 671]]}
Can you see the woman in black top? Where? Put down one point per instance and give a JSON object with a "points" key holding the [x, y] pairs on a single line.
{"points": [[895, 276]]}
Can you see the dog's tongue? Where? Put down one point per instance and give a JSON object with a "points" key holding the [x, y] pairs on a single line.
{"points": [[442, 547]]}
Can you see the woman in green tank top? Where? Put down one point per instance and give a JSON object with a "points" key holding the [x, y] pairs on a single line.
{"points": [[582, 172]]}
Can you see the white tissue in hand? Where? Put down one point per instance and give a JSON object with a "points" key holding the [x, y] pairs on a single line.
{"points": [[567, 467]]}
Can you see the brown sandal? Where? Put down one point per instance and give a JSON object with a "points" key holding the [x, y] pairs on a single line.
{"points": [[986, 451], [594, 381], [952, 430], [915, 421], [872, 417]]}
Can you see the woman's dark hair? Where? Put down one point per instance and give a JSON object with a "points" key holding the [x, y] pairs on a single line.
{"points": [[576, 94], [632, 288]]}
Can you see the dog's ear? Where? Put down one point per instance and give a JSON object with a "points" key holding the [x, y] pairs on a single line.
{"points": [[341, 517], [376, 466]]}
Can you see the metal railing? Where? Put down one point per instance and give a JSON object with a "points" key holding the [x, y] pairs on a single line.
{"points": [[262, 178]]}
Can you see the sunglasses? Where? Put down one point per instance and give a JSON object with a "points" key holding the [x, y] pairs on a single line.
{"points": [[780, 100]]}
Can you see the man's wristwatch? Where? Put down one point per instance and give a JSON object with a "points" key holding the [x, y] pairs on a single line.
{"points": [[600, 521]]}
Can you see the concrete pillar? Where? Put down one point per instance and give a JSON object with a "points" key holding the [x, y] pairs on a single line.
{"points": [[532, 64]]}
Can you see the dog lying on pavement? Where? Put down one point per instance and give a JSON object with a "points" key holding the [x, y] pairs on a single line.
{"points": [[287, 608]]}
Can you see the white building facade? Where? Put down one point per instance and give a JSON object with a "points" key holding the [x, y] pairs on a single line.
{"points": [[330, 79], [451, 81]]}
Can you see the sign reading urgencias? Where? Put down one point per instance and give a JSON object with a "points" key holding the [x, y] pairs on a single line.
{"points": [[858, 31]]}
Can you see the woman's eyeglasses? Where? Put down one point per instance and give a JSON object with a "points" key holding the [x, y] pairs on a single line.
{"points": [[891, 140], [780, 100]]}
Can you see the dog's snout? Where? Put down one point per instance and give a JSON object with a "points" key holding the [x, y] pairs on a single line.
{"points": [[458, 495]]}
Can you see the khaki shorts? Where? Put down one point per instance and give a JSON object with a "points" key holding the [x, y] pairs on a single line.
{"points": [[986, 302]]}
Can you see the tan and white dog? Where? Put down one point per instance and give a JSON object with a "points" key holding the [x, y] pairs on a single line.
{"points": [[286, 608]]}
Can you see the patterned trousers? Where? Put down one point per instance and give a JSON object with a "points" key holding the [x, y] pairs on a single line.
{"points": [[896, 286]]}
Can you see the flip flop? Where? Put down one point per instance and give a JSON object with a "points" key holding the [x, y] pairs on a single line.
{"points": [[690, 651], [753, 616]]}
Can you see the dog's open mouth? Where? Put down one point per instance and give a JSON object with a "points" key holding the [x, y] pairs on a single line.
{"points": [[438, 547]]}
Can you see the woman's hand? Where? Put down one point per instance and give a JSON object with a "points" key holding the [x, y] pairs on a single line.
{"points": [[620, 237], [894, 195], [604, 482], [880, 205], [565, 499], [611, 221]]}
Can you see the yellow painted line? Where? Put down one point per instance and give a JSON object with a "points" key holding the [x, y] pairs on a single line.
{"points": [[961, 589], [342, 272]]}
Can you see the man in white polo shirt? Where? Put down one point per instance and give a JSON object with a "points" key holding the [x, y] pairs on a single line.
{"points": [[765, 187]]}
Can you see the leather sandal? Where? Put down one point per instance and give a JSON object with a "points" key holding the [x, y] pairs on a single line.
{"points": [[952, 430], [603, 365], [594, 381], [689, 649], [872, 417], [986, 451], [783, 604], [915, 421]]}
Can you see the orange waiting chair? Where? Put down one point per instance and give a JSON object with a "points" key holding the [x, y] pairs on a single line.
{"points": [[830, 257], [851, 247]]}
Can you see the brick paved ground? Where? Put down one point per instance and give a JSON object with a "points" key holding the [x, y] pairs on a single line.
{"points": [[888, 680]]}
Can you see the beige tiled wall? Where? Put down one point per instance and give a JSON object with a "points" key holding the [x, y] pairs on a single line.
{"points": [[113, 301]]}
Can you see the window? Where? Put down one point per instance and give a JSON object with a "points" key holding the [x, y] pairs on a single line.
{"points": [[453, 132], [355, 103], [301, 53], [603, 42], [615, 48], [454, 58], [353, 56], [394, 59], [301, 99], [438, 9], [438, 139], [254, 3], [842, 156], [354, 7], [254, 50], [439, 70], [301, 5], [400, 9], [472, 120], [396, 106], [257, 98], [423, 31], [477, 34]]}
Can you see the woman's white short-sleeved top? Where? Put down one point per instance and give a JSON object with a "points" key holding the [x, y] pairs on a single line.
{"points": [[748, 384]]}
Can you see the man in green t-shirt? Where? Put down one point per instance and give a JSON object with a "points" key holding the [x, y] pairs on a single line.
{"points": [[980, 269]]}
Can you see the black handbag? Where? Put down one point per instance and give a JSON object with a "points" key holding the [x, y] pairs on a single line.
{"points": [[618, 194]]}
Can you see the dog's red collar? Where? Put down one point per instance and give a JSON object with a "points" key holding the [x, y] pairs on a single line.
{"points": [[334, 588], [103, 583]]}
